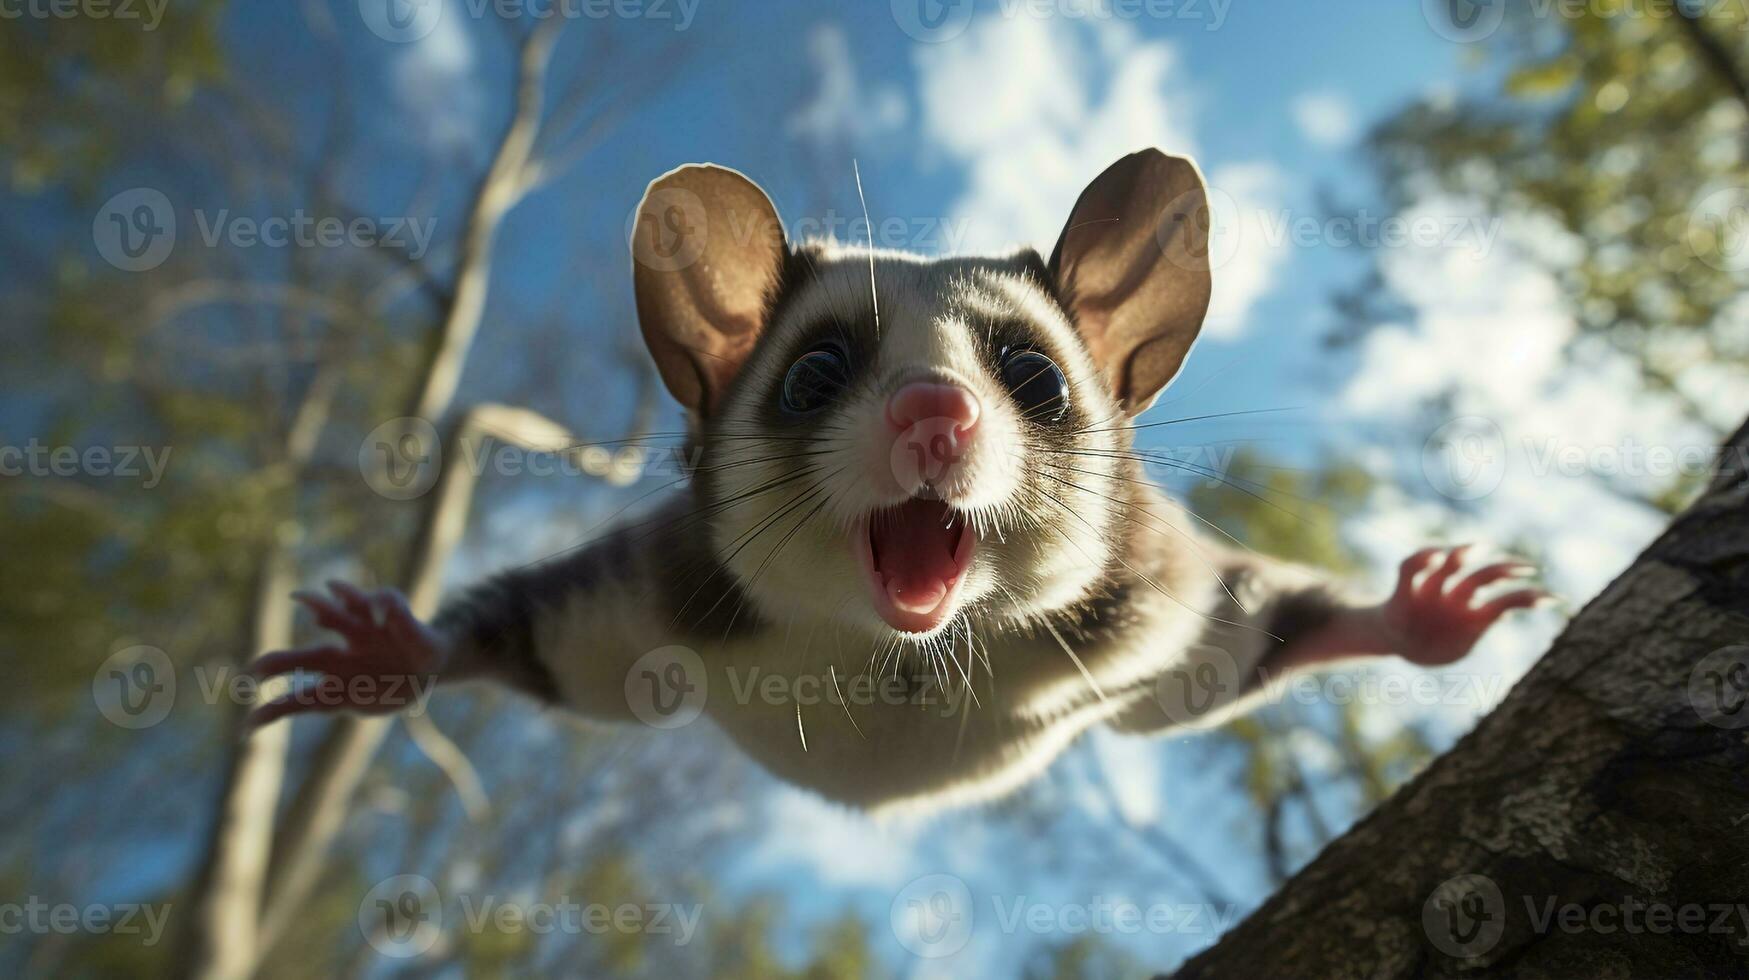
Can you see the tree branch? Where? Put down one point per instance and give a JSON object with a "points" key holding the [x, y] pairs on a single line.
{"points": [[499, 191], [1718, 58], [1605, 779], [319, 808], [450, 760], [223, 937]]}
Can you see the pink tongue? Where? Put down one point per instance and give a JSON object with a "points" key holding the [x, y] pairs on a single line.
{"points": [[913, 554]]}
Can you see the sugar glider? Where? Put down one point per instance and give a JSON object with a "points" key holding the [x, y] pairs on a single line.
{"points": [[917, 554]]}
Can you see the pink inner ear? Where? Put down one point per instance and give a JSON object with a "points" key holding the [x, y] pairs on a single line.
{"points": [[701, 316], [1092, 316], [1092, 324], [1137, 307], [720, 366]]}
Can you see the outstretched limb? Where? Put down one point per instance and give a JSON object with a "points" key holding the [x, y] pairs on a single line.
{"points": [[385, 661], [564, 632], [1432, 619], [1282, 620]]}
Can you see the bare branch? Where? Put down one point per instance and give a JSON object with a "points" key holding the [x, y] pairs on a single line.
{"points": [[1714, 53], [319, 808], [188, 296], [453, 763], [499, 191]]}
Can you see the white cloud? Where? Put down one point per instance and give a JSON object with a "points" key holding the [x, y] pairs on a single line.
{"points": [[433, 81], [843, 110], [1131, 767], [1487, 324], [1325, 119], [1056, 103], [1243, 253], [843, 848], [1037, 133], [1490, 332]]}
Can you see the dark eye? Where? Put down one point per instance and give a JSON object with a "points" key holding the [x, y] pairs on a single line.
{"points": [[1038, 385], [814, 380]]}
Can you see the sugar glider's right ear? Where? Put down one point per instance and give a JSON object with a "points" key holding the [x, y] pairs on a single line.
{"points": [[1133, 268], [707, 254]]}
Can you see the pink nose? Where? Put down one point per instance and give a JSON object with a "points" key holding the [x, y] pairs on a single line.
{"points": [[931, 401]]}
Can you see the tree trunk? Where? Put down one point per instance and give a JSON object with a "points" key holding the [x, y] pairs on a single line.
{"points": [[1595, 825]]}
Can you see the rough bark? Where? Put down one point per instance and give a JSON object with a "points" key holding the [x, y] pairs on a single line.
{"points": [[1608, 785]]}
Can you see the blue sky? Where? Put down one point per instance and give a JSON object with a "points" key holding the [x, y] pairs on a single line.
{"points": [[981, 140], [742, 77]]}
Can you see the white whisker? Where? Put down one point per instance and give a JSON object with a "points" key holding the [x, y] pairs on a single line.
{"points": [[874, 294]]}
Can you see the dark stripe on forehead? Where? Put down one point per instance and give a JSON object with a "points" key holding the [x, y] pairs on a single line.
{"points": [[845, 277], [1029, 265], [800, 269]]}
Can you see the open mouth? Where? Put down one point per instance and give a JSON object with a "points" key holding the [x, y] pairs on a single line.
{"points": [[915, 557]]}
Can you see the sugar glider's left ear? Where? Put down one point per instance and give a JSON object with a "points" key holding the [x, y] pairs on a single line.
{"points": [[707, 253], [1132, 266]]}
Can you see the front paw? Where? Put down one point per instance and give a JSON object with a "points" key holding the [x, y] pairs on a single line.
{"points": [[1434, 620], [387, 660]]}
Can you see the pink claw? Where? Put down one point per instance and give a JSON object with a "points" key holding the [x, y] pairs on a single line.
{"points": [[385, 663], [1431, 624]]}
